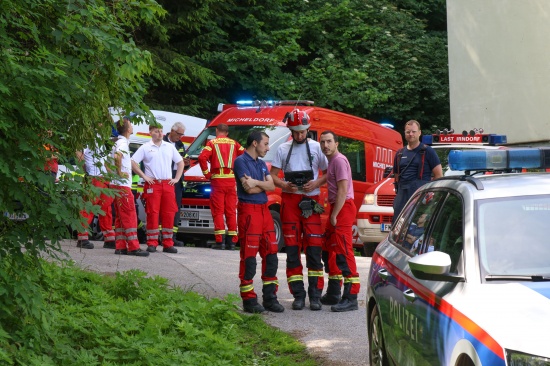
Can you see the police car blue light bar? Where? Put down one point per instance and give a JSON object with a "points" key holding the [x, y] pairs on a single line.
{"points": [[528, 158], [455, 138]]}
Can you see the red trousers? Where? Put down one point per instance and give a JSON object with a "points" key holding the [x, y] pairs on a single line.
{"points": [[302, 234], [160, 200], [339, 245], [105, 220], [223, 202], [125, 219], [257, 234]]}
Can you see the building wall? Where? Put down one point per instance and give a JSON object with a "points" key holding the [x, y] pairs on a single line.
{"points": [[499, 67]]}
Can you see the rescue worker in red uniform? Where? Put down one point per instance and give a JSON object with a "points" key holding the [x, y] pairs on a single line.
{"points": [[221, 153], [94, 164], [300, 209], [125, 214], [338, 247], [256, 228], [157, 156]]}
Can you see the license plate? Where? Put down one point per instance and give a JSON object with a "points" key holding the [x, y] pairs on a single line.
{"points": [[20, 216], [189, 215], [385, 227]]}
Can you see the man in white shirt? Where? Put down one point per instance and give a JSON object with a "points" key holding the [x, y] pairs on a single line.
{"points": [[157, 157], [125, 212]]}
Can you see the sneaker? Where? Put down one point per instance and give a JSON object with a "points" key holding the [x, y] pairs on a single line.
{"points": [[253, 308], [218, 246], [151, 248], [230, 247], [345, 305], [327, 299], [138, 253], [84, 244], [298, 303], [315, 304], [121, 251], [169, 250], [109, 245], [273, 306]]}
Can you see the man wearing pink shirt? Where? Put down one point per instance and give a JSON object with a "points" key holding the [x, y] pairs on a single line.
{"points": [[338, 252]]}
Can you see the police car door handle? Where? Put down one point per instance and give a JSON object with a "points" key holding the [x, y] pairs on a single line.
{"points": [[409, 295], [383, 273]]}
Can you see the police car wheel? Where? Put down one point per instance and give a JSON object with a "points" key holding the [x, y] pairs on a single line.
{"points": [[278, 230], [377, 351]]}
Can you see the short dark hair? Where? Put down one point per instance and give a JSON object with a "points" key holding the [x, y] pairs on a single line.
{"points": [[334, 136], [222, 127], [255, 135], [123, 125]]}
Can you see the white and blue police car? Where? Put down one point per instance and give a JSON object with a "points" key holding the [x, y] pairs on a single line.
{"points": [[463, 277]]}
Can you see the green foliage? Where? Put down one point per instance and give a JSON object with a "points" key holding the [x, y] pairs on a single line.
{"points": [[384, 60], [134, 320], [64, 62]]}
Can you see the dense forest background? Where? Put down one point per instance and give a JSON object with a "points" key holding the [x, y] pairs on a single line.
{"points": [[381, 60]]}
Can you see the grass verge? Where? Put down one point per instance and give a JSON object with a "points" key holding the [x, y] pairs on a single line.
{"points": [[130, 319]]}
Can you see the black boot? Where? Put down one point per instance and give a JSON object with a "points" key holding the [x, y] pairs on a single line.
{"points": [[333, 294], [252, 306], [84, 244], [314, 294], [229, 243], [177, 243], [297, 289], [219, 245], [348, 302]]}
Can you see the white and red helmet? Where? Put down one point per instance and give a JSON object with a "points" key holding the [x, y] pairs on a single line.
{"points": [[297, 120]]}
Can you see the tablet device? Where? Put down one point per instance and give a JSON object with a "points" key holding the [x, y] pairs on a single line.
{"points": [[299, 177]]}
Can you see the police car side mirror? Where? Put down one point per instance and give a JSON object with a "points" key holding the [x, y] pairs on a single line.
{"points": [[433, 266]]}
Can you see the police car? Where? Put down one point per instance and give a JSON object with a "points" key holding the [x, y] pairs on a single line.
{"points": [[463, 277], [375, 214]]}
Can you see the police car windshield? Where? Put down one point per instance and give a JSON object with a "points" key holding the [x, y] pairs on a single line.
{"points": [[513, 237], [277, 135]]}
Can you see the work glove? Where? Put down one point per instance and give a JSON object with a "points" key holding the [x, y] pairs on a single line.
{"points": [[306, 207], [317, 207]]}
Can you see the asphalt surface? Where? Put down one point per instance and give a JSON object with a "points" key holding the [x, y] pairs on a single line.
{"points": [[338, 339]]}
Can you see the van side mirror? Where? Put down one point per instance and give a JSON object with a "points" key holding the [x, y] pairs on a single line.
{"points": [[387, 171]]}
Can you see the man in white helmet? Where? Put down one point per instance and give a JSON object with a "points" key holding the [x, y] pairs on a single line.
{"points": [[300, 160]]}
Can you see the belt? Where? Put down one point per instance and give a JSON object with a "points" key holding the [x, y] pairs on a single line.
{"points": [[161, 180]]}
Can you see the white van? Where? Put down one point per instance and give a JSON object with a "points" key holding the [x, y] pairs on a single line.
{"points": [[193, 126]]}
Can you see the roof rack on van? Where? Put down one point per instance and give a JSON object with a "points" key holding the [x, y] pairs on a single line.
{"points": [[473, 137], [264, 103]]}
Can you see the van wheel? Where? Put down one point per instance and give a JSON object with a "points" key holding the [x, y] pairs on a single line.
{"points": [[96, 233], [278, 230], [368, 249]]}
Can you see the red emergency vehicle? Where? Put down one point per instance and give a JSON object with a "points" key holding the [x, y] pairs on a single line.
{"points": [[376, 211], [368, 146]]}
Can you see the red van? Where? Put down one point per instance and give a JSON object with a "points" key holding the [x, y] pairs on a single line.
{"points": [[368, 146]]}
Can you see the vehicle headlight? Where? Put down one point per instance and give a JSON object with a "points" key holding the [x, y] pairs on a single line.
{"points": [[369, 199], [515, 358]]}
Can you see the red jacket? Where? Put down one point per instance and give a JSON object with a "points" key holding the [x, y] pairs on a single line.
{"points": [[221, 153]]}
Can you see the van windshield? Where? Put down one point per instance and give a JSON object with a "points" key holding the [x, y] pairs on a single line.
{"points": [[277, 135]]}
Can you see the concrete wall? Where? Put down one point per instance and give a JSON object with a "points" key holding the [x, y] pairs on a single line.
{"points": [[499, 67]]}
